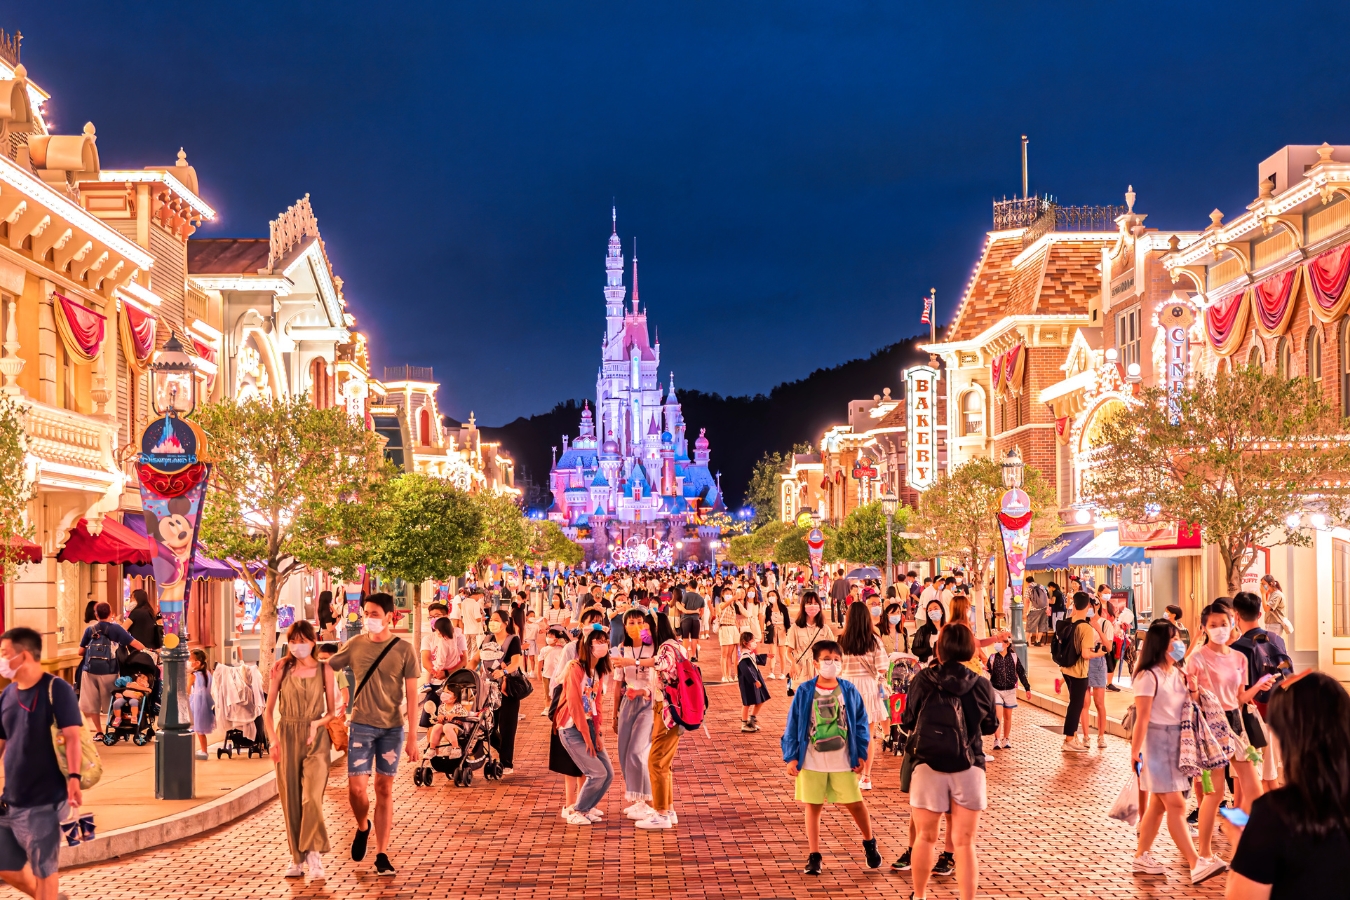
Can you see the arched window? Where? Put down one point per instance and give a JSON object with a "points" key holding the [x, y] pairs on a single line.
{"points": [[1254, 355], [1313, 349], [321, 391], [972, 414], [424, 427], [1284, 362]]}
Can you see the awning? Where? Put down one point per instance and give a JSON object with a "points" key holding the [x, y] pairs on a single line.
{"points": [[1055, 555], [203, 566], [27, 549], [115, 544], [1105, 550]]}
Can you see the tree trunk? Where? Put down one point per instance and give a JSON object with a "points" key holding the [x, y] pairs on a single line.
{"points": [[417, 620], [267, 627]]}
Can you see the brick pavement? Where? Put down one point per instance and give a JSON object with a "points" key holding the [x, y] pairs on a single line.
{"points": [[1046, 834]]}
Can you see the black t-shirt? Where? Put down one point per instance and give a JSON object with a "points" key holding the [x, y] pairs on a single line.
{"points": [[692, 602], [142, 626], [1294, 866], [32, 776]]}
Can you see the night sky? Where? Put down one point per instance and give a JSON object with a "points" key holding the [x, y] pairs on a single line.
{"points": [[797, 174]]}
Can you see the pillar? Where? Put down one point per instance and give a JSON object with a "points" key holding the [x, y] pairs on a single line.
{"points": [[47, 348]]}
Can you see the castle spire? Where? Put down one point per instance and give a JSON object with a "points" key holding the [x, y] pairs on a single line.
{"points": [[635, 280]]}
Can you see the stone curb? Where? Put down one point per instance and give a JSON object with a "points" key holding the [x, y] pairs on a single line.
{"points": [[1060, 707]]}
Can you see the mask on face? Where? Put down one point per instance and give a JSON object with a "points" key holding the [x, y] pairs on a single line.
{"points": [[830, 668], [875, 611], [935, 615], [1177, 651], [599, 650], [1219, 633], [374, 626], [6, 668], [494, 626], [998, 647], [812, 610], [645, 636], [634, 631], [301, 650], [894, 620]]}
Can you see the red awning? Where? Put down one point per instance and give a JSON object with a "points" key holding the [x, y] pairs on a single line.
{"points": [[31, 551], [114, 545], [1188, 538]]}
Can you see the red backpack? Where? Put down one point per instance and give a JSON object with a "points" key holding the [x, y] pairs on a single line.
{"points": [[686, 700]]}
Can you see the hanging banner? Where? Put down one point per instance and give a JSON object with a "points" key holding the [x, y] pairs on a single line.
{"points": [[1014, 524], [815, 546], [1226, 323], [1273, 302], [137, 330], [81, 328], [1175, 318], [921, 427], [173, 489], [1327, 275]]}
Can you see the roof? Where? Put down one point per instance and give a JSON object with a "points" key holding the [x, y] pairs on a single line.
{"points": [[1058, 279], [599, 480], [227, 256], [805, 458]]}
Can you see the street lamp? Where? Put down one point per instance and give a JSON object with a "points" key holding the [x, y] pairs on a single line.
{"points": [[889, 504], [1015, 526], [173, 380], [713, 547], [1012, 469]]}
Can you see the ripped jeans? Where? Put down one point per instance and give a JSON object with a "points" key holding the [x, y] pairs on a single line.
{"points": [[367, 745]]}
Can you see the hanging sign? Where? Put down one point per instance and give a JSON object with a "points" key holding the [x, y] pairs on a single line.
{"points": [[815, 546], [1014, 525], [1176, 318], [173, 489], [921, 427], [865, 467]]}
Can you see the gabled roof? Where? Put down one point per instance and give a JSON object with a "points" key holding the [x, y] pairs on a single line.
{"points": [[599, 479]]}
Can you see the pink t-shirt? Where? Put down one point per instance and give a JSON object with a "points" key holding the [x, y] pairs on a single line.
{"points": [[1224, 674]]}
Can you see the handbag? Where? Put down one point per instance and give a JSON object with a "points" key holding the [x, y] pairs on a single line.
{"points": [[1251, 724], [907, 763], [516, 686], [91, 766], [337, 728]]}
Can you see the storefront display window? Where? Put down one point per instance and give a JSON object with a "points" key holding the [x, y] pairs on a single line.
{"points": [[1340, 588]]}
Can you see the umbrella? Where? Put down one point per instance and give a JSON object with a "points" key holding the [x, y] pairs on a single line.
{"points": [[864, 572]]}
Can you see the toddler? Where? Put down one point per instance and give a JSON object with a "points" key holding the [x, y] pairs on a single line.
{"points": [[128, 700], [753, 692], [453, 706]]}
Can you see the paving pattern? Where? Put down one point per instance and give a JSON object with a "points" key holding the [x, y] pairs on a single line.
{"points": [[1046, 834]]}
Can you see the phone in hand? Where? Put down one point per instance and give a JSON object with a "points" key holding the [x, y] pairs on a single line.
{"points": [[1235, 815]]}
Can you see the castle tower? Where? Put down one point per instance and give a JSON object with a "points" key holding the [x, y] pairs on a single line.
{"points": [[614, 289]]}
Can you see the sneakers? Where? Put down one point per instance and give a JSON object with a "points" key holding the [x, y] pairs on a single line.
{"points": [[1146, 864], [295, 871], [674, 819], [575, 818], [639, 811], [1007, 743], [566, 811], [812, 864], [1193, 817], [594, 815], [506, 772], [902, 864], [655, 821], [998, 744], [359, 843], [1113, 688], [1072, 746], [315, 863], [748, 727], [864, 784], [383, 867], [200, 754], [1207, 867], [945, 865], [872, 853]]}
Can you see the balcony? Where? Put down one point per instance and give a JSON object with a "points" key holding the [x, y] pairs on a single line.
{"points": [[1042, 215]]}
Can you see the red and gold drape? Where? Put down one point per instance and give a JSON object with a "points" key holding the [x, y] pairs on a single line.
{"points": [[1326, 276], [81, 328], [1014, 369], [1226, 323], [1273, 302], [137, 329]]}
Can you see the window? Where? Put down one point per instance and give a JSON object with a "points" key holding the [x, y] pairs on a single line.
{"points": [[1254, 355], [972, 413], [1340, 588], [1284, 362], [424, 427], [1313, 349], [1128, 336]]}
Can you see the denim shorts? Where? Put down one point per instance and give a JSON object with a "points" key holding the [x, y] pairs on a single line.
{"points": [[368, 745], [31, 834], [1097, 672]]}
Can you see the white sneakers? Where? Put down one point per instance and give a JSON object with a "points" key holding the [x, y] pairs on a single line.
{"points": [[1146, 864], [295, 871], [639, 811], [566, 811], [1072, 746], [575, 818], [1205, 867], [864, 784], [655, 821], [315, 863], [595, 815]]}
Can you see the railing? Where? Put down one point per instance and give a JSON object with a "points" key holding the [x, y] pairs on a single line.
{"points": [[408, 373], [1017, 212], [69, 438], [1042, 215]]}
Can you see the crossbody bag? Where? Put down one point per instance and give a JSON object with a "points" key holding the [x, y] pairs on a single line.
{"points": [[337, 727]]}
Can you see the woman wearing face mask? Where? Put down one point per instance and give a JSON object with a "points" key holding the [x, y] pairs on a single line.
{"points": [[892, 629], [1161, 689], [926, 636], [502, 653], [306, 694], [578, 723], [1220, 669], [808, 628], [776, 622], [633, 696], [865, 662]]}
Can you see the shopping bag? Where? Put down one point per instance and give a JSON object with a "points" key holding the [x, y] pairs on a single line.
{"points": [[1126, 807]]}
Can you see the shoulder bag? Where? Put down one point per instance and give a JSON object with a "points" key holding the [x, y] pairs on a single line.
{"points": [[91, 766], [515, 685], [337, 727]]}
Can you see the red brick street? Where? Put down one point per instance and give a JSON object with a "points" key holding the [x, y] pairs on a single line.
{"points": [[1045, 835]]}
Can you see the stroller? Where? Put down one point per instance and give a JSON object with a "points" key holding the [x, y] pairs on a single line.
{"points": [[140, 728], [464, 745], [237, 742], [904, 667]]}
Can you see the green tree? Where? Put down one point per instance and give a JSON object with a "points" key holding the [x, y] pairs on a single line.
{"points": [[861, 537], [16, 489], [427, 530], [289, 491], [958, 516], [505, 537], [1248, 454], [762, 493], [549, 544], [791, 548]]}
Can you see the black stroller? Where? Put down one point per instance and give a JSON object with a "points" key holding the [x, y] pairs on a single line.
{"points": [[140, 728], [464, 744], [237, 742]]}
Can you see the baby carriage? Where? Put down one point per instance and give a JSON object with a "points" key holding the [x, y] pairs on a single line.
{"points": [[141, 727], [462, 745], [237, 742], [904, 667]]}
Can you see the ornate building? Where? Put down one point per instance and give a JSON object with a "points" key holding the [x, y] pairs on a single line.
{"points": [[639, 483]]}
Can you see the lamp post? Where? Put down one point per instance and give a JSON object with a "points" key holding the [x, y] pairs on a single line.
{"points": [[889, 504], [1015, 525]]}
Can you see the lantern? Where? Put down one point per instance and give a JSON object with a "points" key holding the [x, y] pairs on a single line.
{"points": [[173, 382]]}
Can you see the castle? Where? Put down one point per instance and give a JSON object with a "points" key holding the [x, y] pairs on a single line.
{"points": [[639, 483]]}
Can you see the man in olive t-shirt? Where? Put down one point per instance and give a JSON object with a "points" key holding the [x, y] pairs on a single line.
{"points": [[377, 724]]}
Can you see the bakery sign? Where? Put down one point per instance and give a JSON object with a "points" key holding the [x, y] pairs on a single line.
{"points": [[921, 427]]}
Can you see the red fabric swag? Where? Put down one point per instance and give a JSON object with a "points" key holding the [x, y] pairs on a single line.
{"points": [[1273, 296]]}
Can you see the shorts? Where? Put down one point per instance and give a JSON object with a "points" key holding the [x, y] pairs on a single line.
{"points": [[936, 791], [95, 693], [816, 788], [689, 627], [1006, 699], [1097, 672], [369, 746], [1162, 773], [728, 635], [32, 835]]}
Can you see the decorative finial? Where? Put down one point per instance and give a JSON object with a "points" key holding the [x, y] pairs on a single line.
{"points": [[1129, 199], [1216, 218], [614, 219], [89, 130], [182, 157], [1324, 153], [1267, 188], [635, 278]]}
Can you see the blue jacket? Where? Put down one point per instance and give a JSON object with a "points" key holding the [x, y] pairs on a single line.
{"points": [[797, 736]]}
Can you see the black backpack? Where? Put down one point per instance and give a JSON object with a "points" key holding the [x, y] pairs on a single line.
{"points": [[99, 656], [1266, 659], [940, 739], [1065, 651]]}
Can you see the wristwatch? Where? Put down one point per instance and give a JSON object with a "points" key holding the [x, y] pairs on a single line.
{"points": [[73, 775]]}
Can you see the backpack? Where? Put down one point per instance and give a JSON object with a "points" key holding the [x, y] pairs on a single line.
{"points": [[99, 656], [940, 739], [685, 697], [829, 722], [1266, 659], [1065, 651], [1040, 597]]}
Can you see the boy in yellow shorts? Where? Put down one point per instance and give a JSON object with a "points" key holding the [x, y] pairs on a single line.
{"points": [[824, 746]]}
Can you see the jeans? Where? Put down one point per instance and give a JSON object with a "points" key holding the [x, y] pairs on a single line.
{"points": [[635, 743], [1078, 688], [597, 769], [368, 745]]}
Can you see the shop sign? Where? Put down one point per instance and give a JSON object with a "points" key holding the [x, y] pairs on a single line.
{"points": [[1175, 319], [921, 427], [865, 467]]}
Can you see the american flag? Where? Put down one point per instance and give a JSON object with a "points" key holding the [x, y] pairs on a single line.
{"points": [[927, 311]]}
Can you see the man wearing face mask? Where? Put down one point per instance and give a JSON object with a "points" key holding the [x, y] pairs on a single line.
{"points": [[36, 794], [385, 671]]}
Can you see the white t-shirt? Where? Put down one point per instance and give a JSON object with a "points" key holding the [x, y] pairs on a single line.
{"points": [[929, 593], [829, 761], [1168, 690], [471, 611]]}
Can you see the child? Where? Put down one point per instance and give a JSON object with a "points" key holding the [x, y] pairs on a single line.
{"points": [[824, 745], [753, 692], [530, 641], [551, 660], [128, 700], [199, 700], [1005, 670], [452, 707]]}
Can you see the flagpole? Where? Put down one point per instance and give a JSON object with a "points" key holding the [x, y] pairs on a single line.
{"points": [[932, 314]]}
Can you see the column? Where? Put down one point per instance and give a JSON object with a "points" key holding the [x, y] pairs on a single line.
{"points": [[47, 348]]}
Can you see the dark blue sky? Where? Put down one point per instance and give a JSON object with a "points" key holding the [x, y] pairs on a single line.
{"points": [[798, 174]]}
